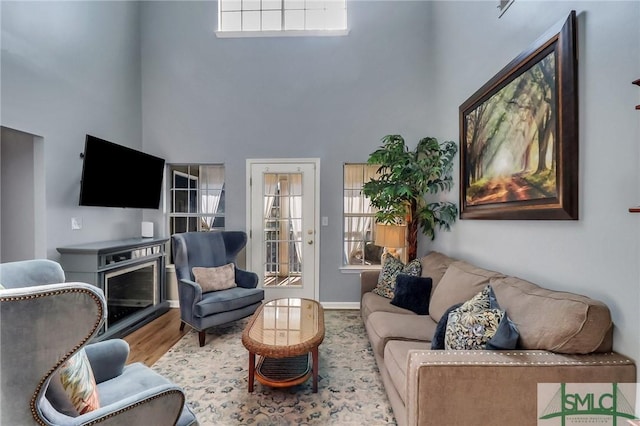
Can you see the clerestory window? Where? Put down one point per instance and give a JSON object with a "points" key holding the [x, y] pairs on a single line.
{"points": [[241, 18]]}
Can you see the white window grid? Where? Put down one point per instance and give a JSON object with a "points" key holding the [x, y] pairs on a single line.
{"points": [[359, 217], [197, 197], [281, 17]]}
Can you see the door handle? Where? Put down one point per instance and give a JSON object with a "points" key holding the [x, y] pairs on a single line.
{"points": [[310, 242]]}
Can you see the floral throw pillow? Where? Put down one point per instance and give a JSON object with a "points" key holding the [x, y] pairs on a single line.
{"points": [[473, 324], [73, 390], [471, 330], [480, 323], [479, 302], [391, 267]]}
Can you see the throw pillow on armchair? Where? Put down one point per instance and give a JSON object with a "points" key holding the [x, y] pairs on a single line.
{"points": [[73, 390]]}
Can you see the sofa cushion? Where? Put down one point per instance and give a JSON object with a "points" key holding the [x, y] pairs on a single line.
{"points": [[371, 302], [412, 293], [460, 283], [391, 267], [554, 320], [385, 326], [135, 379], [231, 299], [396, 354], [434, 265]]}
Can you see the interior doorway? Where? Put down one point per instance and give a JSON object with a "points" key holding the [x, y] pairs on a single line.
{"points": [[282, 223], [22, 196]]}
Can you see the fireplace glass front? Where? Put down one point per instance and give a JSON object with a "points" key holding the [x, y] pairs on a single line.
{"points": [[130, 290]]}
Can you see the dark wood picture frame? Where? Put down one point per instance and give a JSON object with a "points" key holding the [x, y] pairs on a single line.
{"points": [[519, 135]]}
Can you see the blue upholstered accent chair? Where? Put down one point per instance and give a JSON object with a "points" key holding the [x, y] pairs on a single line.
{"points": [[43, 322], [211, 249]]}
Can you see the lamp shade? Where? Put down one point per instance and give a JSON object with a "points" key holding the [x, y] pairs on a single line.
{"points": [[393, 236]]}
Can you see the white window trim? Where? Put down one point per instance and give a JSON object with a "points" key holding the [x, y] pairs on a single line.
{"points": [[356, 269], [282, 33], [170, 198]]}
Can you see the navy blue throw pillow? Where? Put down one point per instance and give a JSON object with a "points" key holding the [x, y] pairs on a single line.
{"points": [[507, 334], [412, 293], [438, 336]]}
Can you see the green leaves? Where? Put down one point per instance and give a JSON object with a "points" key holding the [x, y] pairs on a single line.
{"points": [[407, 176]]}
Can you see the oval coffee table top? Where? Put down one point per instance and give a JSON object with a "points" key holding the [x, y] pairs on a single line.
{"points": [[284, 328]]}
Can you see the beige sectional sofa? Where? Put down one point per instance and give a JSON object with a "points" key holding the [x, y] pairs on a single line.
{"points": [[564, 338]]}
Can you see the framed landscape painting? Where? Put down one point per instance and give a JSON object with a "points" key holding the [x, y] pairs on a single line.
{"points": [[519, 136]]}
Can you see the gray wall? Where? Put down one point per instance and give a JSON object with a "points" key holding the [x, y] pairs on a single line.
{"points": [[215, 100], [597, 255], [68, 69]]}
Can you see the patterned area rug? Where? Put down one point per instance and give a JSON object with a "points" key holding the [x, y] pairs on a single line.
{"points": [[214, 377]]}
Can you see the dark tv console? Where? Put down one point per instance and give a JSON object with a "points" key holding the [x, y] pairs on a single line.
{"points": [[130, 272]]}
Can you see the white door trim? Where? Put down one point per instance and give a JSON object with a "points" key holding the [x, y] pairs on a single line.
{"points": [[316, 213]]}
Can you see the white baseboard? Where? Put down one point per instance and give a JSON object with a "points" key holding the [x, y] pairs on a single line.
{"points": [[325, 305], [341, 305]]}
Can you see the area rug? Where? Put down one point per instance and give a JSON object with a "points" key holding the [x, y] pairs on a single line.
{"points": [[214, 378]]}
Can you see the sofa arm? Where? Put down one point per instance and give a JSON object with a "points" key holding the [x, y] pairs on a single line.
{"points": [[368, 281], [497, 387]]}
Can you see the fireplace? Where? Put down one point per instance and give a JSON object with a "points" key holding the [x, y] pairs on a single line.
{"points": [[130, 290], [131, 275]]}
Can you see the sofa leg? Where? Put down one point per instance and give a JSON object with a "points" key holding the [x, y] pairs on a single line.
{"points": [[201, 335], [181, 325]]}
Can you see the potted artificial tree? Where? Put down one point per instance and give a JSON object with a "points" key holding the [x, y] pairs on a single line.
{"points": [[405, 178]]}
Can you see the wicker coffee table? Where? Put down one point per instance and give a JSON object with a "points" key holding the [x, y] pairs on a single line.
{"points": [[283, 332]]}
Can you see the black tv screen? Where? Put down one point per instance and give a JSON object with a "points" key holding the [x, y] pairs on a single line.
{"points": [[116, 176]]}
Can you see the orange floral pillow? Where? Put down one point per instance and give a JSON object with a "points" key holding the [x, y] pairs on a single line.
{"points": [[73, 390]]}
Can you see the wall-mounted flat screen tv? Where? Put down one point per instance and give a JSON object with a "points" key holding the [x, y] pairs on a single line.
{"points": [[117, 176]]}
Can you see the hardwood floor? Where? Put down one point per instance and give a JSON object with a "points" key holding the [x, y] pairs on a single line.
{"points": [[151, 341]]}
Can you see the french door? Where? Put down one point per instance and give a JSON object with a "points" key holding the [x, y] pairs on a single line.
{"points": [[282, 223]]}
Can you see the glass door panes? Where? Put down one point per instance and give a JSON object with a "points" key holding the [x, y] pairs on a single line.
{"points": [[282, 227]]}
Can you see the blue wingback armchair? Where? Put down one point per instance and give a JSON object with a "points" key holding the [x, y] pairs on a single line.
{"points": [[211, 249], [44, 322]]}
